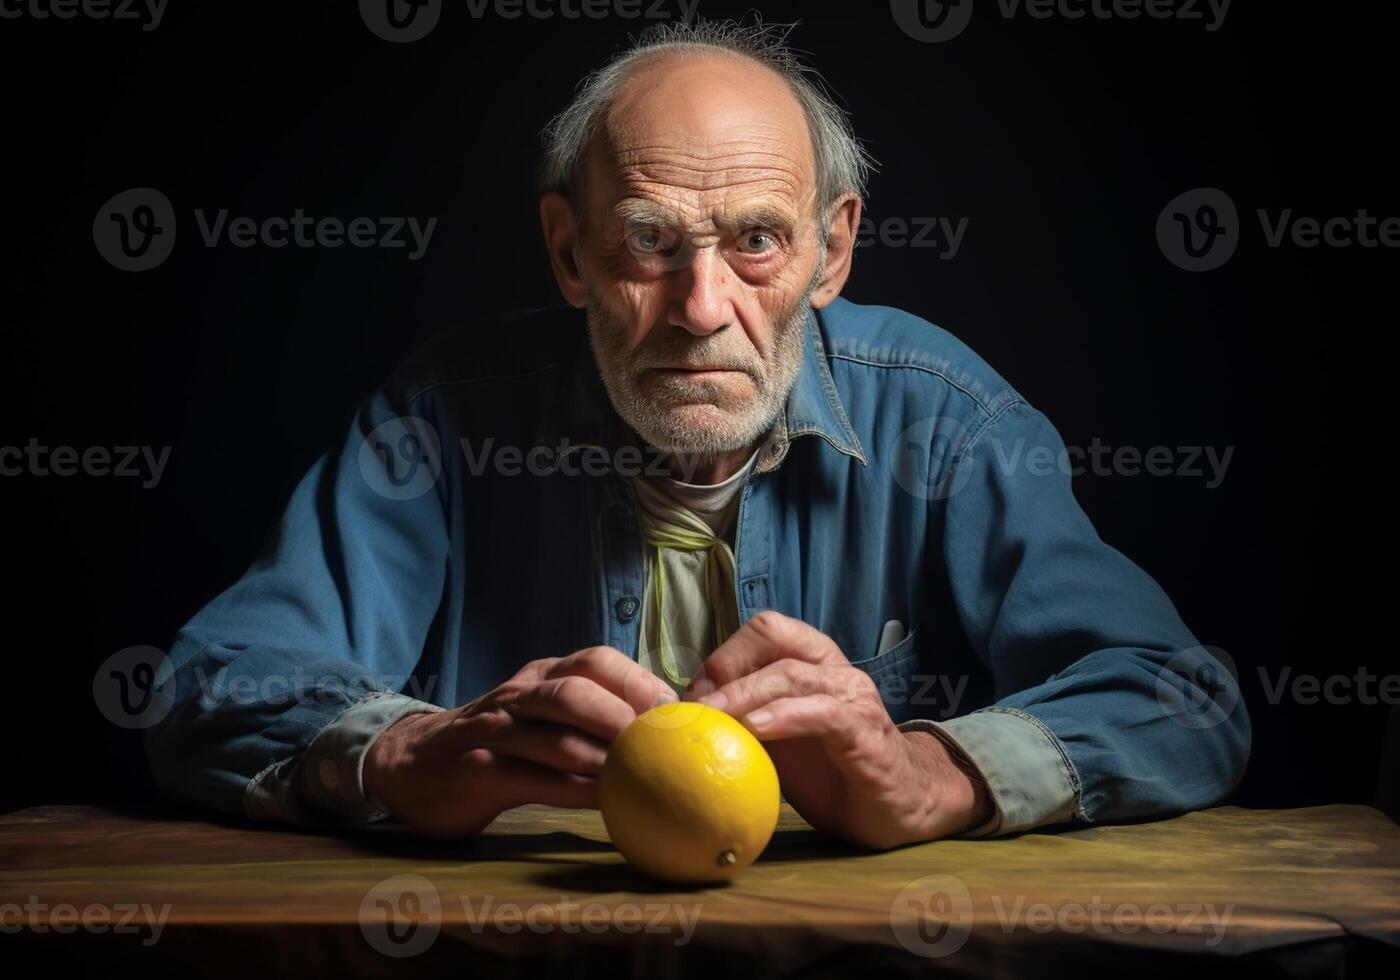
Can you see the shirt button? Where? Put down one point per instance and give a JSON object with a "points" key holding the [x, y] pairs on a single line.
{"points": [[627, 608]]}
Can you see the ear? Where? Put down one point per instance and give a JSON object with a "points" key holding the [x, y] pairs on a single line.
{"points": [[840, 247], [560, 236]]}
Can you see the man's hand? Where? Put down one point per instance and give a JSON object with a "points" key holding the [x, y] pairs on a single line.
{"points": [[541, 737], [842, 762]]}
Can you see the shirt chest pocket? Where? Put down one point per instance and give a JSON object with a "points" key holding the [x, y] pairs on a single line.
{"points": [[892, 672]]}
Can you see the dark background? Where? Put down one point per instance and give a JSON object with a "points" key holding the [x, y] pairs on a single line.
{"points": [[1060, 140]]}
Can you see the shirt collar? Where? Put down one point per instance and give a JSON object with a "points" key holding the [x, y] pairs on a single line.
{"points": [[581, 414]]}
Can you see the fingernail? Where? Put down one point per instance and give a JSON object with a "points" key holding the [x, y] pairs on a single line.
{"points": [[700, 685], [667, 696], [715, 700], [759, 718]]}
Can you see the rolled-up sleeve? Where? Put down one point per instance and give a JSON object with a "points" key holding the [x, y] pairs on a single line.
{"points": [[324, 786]]}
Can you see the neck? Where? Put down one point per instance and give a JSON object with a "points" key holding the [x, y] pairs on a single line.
{"points": [[708, 470]]}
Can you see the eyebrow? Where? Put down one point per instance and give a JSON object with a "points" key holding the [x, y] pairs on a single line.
{"points": [[651, 214]]}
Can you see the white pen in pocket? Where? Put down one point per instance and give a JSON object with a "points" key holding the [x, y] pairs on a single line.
{"points": [[890, 634]]}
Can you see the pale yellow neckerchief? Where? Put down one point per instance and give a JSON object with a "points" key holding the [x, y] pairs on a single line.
{"points": [[668, 524]]}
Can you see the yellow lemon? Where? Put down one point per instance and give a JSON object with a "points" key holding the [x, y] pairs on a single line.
{"points": [[688, 794]]}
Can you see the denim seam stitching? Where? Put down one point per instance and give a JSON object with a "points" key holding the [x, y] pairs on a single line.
{"points": [[917, 367], [828, 386], [977, 434], [1059, 748]]}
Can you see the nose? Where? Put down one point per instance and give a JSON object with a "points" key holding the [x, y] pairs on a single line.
{"points": [[703, 300]]}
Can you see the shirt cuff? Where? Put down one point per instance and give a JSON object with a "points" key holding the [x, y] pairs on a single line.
{"points": [[324, 785], [1028, 775]]}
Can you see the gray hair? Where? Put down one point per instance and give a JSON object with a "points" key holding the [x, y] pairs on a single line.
{"points": [[842, 163]]}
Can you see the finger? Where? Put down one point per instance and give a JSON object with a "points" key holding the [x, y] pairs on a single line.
{"points": [[788, 678], [614, 671], [575, 701], [817, 716], [766, 637], [535, 669], [549, 744], [524, 782]]}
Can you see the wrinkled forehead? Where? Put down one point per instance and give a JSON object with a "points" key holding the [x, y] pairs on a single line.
{"points": [[702, 135]]}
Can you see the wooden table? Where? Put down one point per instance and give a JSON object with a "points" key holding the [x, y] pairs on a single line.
{"points": [[1297, 892]]}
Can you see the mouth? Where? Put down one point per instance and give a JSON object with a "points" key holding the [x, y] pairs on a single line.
{"points": [[696, 371]]}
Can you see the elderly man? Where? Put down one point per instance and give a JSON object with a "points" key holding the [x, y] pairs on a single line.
{"points": [[721, 481]]}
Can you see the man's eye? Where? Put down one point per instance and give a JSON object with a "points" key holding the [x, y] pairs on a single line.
{"points": [[756, 242], [649, 241]]}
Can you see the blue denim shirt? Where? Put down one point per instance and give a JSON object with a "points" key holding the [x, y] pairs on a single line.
{"points": [[475, 517]]}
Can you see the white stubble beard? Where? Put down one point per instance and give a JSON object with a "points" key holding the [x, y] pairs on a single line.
{"points": [[661, 426]]}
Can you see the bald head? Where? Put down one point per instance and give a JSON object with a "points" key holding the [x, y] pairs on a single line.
{"points": [[702, 142], [841, 164]]}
